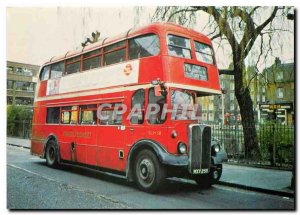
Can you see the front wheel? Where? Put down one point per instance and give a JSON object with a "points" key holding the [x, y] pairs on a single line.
{"points": [[51, 154], [213, 177], [148, 171]]}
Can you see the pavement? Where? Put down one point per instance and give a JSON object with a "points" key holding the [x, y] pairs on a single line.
{"points": [[269, 181]]}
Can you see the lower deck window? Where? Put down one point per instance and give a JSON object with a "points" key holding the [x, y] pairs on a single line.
{"points": [[88, 115], [53, 115], [69, 115], [110, 116]]}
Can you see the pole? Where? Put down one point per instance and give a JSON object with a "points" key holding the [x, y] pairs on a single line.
{"points": [[223, 111]]}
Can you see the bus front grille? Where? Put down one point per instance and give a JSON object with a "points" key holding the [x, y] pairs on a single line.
{"points": [[199, 151]]}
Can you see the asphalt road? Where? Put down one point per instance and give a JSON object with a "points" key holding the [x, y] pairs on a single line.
{"points": [[33, 185]]}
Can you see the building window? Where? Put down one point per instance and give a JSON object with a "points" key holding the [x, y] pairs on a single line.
{"points": [[263, 98], [231, 96], [9, 69], [24, 101], [263, 89], [53, 115], [258, 98], [10, 85], [9, 100], [143, 46], [211, 106], [28, 72], [210, 117], [279, 76], [179, 46], [25, 86], [279, 93], [19, 70], [231, 86], [231, 106]]}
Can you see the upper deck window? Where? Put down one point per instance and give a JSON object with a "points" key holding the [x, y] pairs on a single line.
{"points": [[73, 65], [57, 70], [143, 46], [115, 53], [204, 53], [92, 60], [179, 46], [45, 73]]}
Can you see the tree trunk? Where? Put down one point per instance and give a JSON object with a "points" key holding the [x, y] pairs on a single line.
{"points": [[243, 97]]}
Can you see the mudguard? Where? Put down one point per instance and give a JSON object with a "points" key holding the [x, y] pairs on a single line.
{"points": [[162, 154], [51, 136], [219, 157]]}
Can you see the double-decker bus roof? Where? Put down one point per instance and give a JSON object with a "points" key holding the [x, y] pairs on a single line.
{"points": [[151, 28]]}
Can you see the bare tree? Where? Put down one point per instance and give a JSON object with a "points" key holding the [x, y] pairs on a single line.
{"points": [[240, 27]]}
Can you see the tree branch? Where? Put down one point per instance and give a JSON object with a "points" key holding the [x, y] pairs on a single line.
{"points": [[257, 32], [180, 11]]}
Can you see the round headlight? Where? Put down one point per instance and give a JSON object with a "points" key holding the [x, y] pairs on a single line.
{"points": [[217, 148], [181, 148]]}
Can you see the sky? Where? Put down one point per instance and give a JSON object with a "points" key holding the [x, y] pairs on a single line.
{"points": [[34, 35]]}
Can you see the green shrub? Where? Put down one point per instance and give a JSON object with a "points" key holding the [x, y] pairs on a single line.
{"points": [[15, 116], [283, 137]]}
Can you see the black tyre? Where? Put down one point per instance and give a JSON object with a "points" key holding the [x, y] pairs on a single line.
{"points": [[149, 173], [51, 154], [213, 177]]}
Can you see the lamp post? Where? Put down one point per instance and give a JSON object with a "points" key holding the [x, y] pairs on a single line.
{"points": [[223, 105]]}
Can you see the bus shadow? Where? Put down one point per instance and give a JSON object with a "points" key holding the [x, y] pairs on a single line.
{"points": [[99, 175], [171, 186]]}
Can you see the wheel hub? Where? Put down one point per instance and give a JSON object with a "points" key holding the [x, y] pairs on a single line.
{"points": [[146, 170]]}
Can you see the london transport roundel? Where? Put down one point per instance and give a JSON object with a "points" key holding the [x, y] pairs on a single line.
{"points": [[128, 69]]}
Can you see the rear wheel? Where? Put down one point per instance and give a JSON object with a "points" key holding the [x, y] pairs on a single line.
{"points": [[213, 177], [148, 171], [51, 154]]}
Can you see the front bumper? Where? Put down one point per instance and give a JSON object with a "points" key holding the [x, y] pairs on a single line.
{"points": [[183, 160]]}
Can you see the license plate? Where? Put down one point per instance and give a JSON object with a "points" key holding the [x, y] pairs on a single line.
{"points": [[200, 171]]}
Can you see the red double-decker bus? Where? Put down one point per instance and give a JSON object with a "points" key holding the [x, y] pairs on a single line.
{"points": [[79, 115]]}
